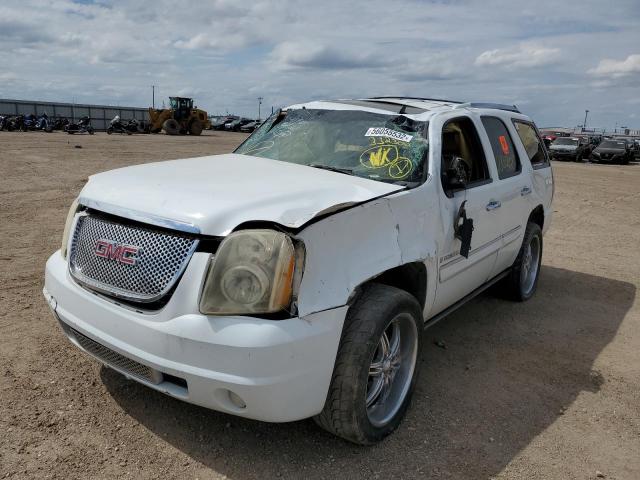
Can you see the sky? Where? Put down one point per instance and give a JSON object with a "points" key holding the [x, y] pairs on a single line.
{"points": [[553, 59]]}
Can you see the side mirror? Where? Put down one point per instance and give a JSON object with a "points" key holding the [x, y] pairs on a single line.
{"points": [[455, 175]]}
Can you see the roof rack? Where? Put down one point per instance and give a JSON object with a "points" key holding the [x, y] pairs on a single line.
{"points": [[495, 106], [401, 97]]}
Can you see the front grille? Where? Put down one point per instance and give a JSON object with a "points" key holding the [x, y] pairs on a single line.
{"points": [[160, 259], [114, 359]]}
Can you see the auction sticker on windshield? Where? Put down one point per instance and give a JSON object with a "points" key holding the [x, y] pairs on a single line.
{"points": [[387, 132]]}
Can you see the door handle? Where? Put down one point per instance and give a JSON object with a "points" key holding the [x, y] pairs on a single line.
{"points": [[525, 191], [493, 204]]}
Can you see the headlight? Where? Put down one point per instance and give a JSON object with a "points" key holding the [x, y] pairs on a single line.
{"points": [[252, 272], [67, 227]]}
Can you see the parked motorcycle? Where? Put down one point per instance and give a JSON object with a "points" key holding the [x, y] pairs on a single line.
{"points": [[15, 123], [60, 123], [43, 123], [29, 122], [3, 122], [116, 126], [82, 126]]}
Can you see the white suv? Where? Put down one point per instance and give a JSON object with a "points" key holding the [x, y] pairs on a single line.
{"points": [[293, 277]]}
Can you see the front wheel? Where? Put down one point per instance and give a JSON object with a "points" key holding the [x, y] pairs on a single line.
{"points": [[376, 366], [522, 281], [195, 128], [171, 126], [109, 130]]}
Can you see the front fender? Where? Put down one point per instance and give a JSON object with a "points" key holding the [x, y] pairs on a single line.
{"points": [[355, 245]]}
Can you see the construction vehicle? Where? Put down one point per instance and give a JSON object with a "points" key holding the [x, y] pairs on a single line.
{"points": [[179, 119]]}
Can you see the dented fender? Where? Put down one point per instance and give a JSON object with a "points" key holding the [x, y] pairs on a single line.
{"points": [[347, 249]]}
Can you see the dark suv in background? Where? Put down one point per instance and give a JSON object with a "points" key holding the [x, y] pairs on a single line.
{"points": [[612, 151]]}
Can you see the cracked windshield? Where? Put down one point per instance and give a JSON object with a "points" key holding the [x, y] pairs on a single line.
{"points": [[386, 148]]}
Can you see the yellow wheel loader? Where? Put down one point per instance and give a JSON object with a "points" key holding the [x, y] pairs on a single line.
{"points": [[181, 118]]}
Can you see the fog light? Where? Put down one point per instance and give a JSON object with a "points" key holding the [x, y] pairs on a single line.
{"points": [[236, 400]]}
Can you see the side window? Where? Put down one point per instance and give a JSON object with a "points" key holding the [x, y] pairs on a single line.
{"points": [[462, 150], [532, 142], [506, 156]]}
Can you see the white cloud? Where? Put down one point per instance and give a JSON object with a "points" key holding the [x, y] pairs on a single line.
{"points": [[522, 56], [214, 43], [609, 67], [317, 56]]}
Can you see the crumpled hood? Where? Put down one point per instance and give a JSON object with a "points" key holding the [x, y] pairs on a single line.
{"points": [[214, 194]]}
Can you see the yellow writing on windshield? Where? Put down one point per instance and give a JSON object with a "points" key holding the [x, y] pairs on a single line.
{"points": [[379, 157]]}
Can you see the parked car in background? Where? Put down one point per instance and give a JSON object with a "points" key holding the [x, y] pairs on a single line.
{"points": [[548, 140], [220, 122], [633, 143], [570, 148], [612, 151], [251, 126], [237, 124], [293, 278]]}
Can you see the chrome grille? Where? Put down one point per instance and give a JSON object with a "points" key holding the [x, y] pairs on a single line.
{"points": [[160, 260], [114, 359]]}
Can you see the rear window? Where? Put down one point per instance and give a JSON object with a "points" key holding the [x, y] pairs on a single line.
{"points": [[506, 157], [532, 142]]}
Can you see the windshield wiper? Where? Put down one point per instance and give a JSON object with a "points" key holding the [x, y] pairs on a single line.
{"points": [[346, 171]]}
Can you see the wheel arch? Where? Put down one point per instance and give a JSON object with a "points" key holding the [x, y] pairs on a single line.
{"points": [[410, 277], [537, 216]]}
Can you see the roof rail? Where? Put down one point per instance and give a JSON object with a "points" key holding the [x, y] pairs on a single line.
{"points": [[402, 97], [495, 106]]}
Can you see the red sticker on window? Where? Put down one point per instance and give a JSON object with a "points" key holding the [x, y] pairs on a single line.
{"points": [[504, 144]]}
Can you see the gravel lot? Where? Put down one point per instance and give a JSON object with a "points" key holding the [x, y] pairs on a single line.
{"points": [[546, 389]]}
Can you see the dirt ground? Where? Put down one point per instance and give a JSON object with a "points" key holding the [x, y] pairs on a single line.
{"points": [[548, 389]]}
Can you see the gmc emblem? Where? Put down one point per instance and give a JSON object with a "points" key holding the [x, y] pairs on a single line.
{"points": [[120, 253]]}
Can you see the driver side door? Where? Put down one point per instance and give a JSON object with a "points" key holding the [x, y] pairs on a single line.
{"points": [[459, 275]]}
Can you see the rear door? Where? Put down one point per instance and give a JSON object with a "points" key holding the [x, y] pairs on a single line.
{"points": [[512, 188]]}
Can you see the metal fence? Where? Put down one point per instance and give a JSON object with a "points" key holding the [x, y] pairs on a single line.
{"points": [[100, 115]]}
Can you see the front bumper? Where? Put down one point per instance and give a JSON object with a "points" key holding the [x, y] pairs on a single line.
{"points": [[279, 369], [559, 155], [608, 158]]}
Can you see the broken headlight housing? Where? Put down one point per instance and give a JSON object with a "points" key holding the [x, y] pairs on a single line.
{"points": [[251, 273], [67, 228]]}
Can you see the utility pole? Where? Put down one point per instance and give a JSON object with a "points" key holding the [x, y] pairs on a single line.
{"points": [[153, 96], [584, 125], [259, 103]]}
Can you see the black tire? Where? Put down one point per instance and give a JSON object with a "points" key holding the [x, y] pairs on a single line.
{"points": [[171, 126], [195, 127], [109, 130], [345, 411], [513, 285]]}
